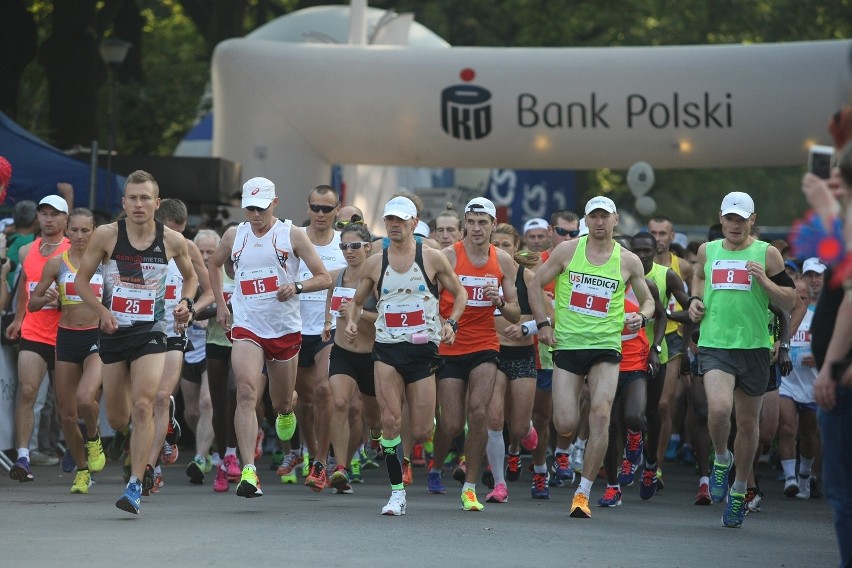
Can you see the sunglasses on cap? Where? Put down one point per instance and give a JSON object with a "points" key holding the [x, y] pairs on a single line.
{"points": [[256, 209], [317, 208], [356, 219], [566, 232], [352, 246]]}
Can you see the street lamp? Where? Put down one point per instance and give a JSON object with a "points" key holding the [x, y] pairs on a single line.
{"points": [[113, 52]]}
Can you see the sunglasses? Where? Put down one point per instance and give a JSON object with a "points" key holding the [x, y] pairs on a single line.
{"points": [[566, 232], [356, 219], [352, 246], [316, 208], [256, 209]]}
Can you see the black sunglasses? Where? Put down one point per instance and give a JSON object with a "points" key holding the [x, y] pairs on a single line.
{"points": [[256, 209], [316, 208], [566, 232], [352, 246]]}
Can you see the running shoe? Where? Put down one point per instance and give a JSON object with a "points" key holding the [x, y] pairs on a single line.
{"points": [[753, 499], [277, 459], [804, 488], [633, 448], [95, 455], [258, 445], [396, 504], [580, 507], [687, 455], [173, 432], [355, 471], [208, 465], [220, 484], [488, 478], [316, 480], [82, 482], [577, 458], [407, 474], [21, 471], [340, 479], [289, 479], [499, 495], [703, 495], [671, 450], [306, 466], [169, 453], [660, 484], [285, 426], [158, 482], [627, 473], [434, 484], [648, 487], [530, 441], [791, 486], [611, 497], [37, 457], [460, 472], [470, 502], [540, 488], [418, 457], [562, 467], [195, 470], [513, 467], [132, 498], [289, 463], [67, 461], [147, 480], [231, 465], [734, 511], [719, 479], [119, 440], [367, 458], [249, 484]]}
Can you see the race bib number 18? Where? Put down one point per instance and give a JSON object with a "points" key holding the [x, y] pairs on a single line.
{"points": [[475, 288]]}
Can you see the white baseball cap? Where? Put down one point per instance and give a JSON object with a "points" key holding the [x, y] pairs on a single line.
{"points": [[54, 201], [535, 223], [813, 265], [584, 229], [258, 192], [401, 207], [422, 229], [481, 205], [738, 203], [600, 202]]}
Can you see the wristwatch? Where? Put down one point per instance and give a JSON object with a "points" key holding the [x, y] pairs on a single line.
{"points": [[644, 319], [658, 349], [453, 324], [298, 286], [785, 346], [544, 323]]}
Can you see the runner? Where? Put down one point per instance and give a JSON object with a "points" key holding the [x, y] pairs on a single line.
{"points": [[448, 227]]}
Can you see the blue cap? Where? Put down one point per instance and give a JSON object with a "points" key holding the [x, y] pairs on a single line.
{"points": [[792, 264]]}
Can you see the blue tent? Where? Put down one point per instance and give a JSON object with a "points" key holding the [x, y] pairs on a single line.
{"points": [[37, 167]]}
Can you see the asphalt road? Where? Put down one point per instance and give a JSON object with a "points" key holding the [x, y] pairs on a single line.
{"points": [[190, 525]]}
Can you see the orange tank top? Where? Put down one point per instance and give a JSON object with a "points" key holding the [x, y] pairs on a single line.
{"points": [[634, 344], [40, 326], [476, 326]]}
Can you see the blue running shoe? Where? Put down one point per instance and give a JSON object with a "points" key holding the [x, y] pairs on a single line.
{"points": [[540, 489], [671, 450], [21, 470], [687, 455], [633, 448], [719, 479], [434, 484], [67, 462], [611, 497], [648, 486], [627, 474], [132, 498], [735, 510], [562, 468]]}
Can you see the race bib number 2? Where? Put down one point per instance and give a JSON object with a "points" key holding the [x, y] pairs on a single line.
{"points": [[730, 275], [405, 318]]}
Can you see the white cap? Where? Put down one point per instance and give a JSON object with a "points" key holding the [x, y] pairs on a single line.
{"points": [[6, 223], [422, 229], [600, 202], [813, 265], [681, 239], [535, 223], [56, 202], [738, 203], [258, 192], [481, 205], [401, 207], [584, 229]]}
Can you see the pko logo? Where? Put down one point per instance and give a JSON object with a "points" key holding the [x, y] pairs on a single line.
{"points": [[465, 112]]}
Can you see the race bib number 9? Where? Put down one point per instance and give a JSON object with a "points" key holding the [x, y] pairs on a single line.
{"points": [[591, 295], [730, 275], [131, 305], [337, 298], [405, 318], [259, 283], [475, 288], [97, 285]]}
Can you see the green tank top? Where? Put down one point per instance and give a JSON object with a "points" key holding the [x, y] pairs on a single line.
{"points": [[658, 275], [590, 302], [736, 309]]}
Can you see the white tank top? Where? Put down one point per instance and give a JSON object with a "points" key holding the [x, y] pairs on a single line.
{"points": [[261, 265], [174, 285], [312, 304], [799, 384], [406, 306]]}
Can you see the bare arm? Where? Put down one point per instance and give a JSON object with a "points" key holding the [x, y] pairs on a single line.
{"points": [[449, 280], [206, 297], [43, 294], [782, 296], [696, 307], [369, 274], [100, 246], [177, 245], [304, 249], [511, 309], [838, 348], [544, 275], [217, 261]]}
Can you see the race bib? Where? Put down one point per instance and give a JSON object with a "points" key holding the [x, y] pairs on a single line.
{"points": [[405, 318], [475, 288], [591, 295], [258, 283], [173, 285], [97, 285], [316, 295], [32, 286], [337, 298], [730, 275], [227, 292], [132, 305]]}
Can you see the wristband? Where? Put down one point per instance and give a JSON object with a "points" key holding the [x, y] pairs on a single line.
{"points": [[690, 299], [529, 328], [189, 303]]}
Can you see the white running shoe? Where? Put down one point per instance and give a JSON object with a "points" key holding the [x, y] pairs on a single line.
{"points": [[804, 487], [577, 457], [396, 504]]}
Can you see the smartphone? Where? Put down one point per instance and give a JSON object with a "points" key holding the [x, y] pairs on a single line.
{"points": [[819, 160]]}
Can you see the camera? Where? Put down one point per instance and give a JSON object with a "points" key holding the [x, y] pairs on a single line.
{"points": [[819, 160]]}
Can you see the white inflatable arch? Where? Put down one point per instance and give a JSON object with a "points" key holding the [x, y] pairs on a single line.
{"points": [[288, 111]]}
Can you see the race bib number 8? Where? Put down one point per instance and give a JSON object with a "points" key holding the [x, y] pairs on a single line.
{"points": [[259, 283], [405, 318], [475, 288], [730, 275], [131, 305], [337, 298]]}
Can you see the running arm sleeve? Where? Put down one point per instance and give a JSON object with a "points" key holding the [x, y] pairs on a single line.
{"points": [[783, 279]]}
